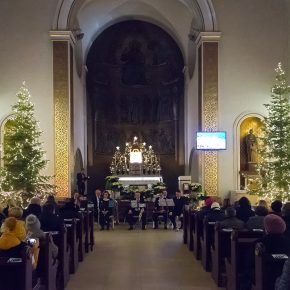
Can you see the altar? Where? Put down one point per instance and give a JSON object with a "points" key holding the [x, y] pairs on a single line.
{"points": [[141, 182]]}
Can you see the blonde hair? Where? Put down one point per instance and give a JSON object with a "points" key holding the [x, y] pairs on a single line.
{"points": [[16, 212], [10, 223]]}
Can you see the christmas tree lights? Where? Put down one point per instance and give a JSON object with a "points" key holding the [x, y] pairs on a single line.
{"points": [[24, 158]]}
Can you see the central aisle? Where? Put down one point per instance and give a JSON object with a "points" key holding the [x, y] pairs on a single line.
{"points": [[140, 260]]}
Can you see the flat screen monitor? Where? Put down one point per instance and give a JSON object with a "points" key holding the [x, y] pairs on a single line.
{"points": [[211, 140]]}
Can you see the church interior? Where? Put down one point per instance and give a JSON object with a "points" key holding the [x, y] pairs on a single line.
{"points": [[143, 144]]}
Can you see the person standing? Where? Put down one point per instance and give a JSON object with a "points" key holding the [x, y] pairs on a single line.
{"points": [[81, 182]]}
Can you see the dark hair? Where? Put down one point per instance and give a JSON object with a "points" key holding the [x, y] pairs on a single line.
{"points": [[286, 209], [50, 198], [244, 202], [276, 205], [230, 212], [48, 208], [261, 211], [226, 203]]}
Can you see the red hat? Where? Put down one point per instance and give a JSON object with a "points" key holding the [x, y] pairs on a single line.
{"points": [[274, 224], [209, 201]]}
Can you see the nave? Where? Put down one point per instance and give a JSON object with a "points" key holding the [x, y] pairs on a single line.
{"points": [[140, 260]]}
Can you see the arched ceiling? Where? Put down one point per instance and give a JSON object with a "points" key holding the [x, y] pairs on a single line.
{"points": [[179, 18]]}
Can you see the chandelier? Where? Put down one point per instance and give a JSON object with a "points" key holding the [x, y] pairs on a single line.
{"points": [[135, 155]]}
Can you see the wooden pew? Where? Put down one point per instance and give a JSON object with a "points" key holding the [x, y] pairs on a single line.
{"points": [[46, 265], [71, 225], [206, 242], [185, 224], [60, 239], [91, 227], [86, 221], [81, 236], [220, 251], [267, 269], [242, 246], [197, 237], [191, 225], [16, 273]]}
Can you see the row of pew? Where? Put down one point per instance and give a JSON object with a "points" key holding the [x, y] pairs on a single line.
{"points": [[74, 241], [231, 256]]}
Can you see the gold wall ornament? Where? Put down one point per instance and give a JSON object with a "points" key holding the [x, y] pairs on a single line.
{"points": [[63, 107], [208, 103]]}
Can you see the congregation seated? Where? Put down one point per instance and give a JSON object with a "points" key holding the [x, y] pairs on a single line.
{"points": [[34, 232], [34, 208], [106, 210], [205, 210], [244, 210], [274, 242], [160, 211], [283, 282], [49, 220], [19, 229], [215, 214], [226, 204], [263, 203], [257, 221], [51, 200], [10, 244], [276, 207], [70, 210], [177, 212], [286, 218], [230, 221], [137, 212]]}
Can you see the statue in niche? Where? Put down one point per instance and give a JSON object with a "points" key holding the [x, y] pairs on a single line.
{"points": [[251, 147], [133, 68]]}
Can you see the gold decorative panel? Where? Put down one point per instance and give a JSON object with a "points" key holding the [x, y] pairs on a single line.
{"points": [[209, 74], [62, 124]]}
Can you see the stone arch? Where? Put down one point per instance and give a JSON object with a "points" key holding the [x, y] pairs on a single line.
{"points": [[236, 142], [3, 123]]}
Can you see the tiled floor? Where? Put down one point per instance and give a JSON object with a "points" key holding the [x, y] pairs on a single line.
{"points": [[140, 260]]}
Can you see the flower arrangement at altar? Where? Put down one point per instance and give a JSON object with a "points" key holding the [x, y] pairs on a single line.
{"points": [[158, 187], [196, 194], [195, 187], [112, 183]]}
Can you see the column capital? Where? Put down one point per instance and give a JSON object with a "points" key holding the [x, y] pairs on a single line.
{"points": [[210, 36], [62, 35]]}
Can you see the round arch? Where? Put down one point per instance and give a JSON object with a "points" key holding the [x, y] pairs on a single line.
{"points": [[236, 141]]}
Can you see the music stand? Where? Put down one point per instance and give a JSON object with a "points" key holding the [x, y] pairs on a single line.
{"points": [[166, 202], [134, 204]]}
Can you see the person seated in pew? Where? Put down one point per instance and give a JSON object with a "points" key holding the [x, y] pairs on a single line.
{"points": [[286, 218], [177, 211], [19, 230], [274, 242], [51, 200], [263, 203], [215, 214], [70, 210], [276, 207], [96, 201], [230, 221], [283, 282], [160, 210], [49, 220], [106, 210], [34, 232], [77, 199], [34, 207], [226, 203], [244, 209], [138, 212], [257, 221]]}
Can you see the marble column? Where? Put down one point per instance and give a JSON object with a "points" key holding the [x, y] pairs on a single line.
{"points": [[63, 43], [207, 48]]}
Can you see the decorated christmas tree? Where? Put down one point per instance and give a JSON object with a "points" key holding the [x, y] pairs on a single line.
{"points": [[24, 158], [274, 164]]}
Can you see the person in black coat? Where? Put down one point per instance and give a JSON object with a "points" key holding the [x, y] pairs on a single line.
{"points": [[276, 207], [177, 211], [96, 201], [70, 210], [49, 220], [160, 210], [81, 179], [244, 210], [106, 210], [286, 218], [138, 212], [33, 208], [51, 200], [215, 214]]}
